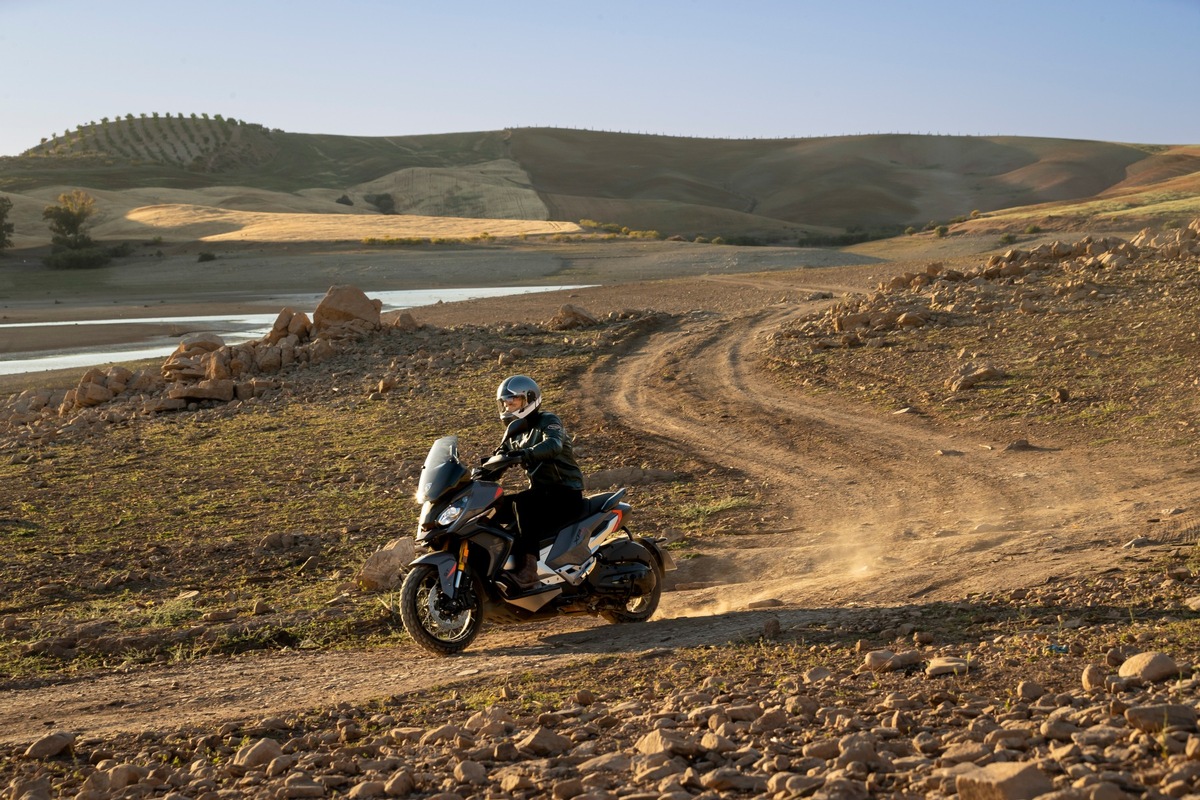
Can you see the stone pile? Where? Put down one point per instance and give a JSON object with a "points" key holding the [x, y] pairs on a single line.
{"points": [[907, 725], [1017, 281], [205, 369]]}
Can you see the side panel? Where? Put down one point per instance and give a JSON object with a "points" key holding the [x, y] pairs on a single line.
{"points": [[571, 546]]}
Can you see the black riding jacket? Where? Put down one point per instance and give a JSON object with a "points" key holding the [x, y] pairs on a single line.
{"points": [[549, 458]]}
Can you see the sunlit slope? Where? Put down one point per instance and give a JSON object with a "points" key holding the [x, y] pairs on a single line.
{"points": [[785, 190], [864, 181], [200, 223], [1160, 190]]}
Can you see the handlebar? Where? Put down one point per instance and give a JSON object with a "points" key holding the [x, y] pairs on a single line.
{"points": [[493, 466]]}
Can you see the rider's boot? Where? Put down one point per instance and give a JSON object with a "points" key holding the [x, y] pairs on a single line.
{"points": [[527, 575]]}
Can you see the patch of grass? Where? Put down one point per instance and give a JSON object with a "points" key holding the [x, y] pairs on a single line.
{"points": [[700, 512], [173, 613]]}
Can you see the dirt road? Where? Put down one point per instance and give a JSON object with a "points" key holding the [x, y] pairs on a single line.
{"points": [[864, 506], [861, 508]]}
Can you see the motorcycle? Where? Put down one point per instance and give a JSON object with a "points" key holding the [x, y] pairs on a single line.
{"points": [[594, 565]]}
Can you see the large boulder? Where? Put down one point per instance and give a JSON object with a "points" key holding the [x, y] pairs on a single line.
{"points": [[385, 568], [345, 304]]}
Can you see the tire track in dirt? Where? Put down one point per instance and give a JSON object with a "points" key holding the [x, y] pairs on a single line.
{"points": [[879, 508]]}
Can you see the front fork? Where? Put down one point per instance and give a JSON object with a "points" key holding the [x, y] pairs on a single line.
{"points": [[460, 566]]}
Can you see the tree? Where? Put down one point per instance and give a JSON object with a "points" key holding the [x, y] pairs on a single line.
{"points": [[6, 227], [68, 219], [72, 247]]}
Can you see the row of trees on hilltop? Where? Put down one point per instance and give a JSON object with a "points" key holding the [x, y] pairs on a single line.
{"points": [[168, 138], [71, 243]]}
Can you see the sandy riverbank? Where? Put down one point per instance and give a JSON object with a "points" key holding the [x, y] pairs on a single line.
{"points": [[264, 279]]}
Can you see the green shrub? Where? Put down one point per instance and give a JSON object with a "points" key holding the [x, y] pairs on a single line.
{"points": [[6, 227], [78, 258], [745, 241], [207, 257], [1008, 238], [940, 231], [384, 202], [1033, 229], [607, 227], [910, 230], [400, 241]]}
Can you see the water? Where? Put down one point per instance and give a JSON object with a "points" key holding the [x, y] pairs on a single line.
{"points": [[233, 328]]}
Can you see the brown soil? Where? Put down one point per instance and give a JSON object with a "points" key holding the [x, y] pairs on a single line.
{"points": [[853, 505]]}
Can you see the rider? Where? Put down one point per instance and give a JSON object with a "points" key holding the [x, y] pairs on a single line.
{"points": [[537, 439]]}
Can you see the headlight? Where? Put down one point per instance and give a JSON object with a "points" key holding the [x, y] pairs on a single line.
{"points": [[452, 512]]}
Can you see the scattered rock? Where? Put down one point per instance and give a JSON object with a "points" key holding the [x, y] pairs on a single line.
{"points": [[1162, 717], [570, 317], [1003, 781], [50, 745], [947, 665], [1150, 667], [258, 754], [545, 742]]}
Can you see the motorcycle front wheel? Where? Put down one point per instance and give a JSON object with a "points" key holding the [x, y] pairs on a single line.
{"points": [[437, 623], [639, 608]]}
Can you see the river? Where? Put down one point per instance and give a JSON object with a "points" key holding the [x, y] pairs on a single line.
{"points": [[233, 328]]}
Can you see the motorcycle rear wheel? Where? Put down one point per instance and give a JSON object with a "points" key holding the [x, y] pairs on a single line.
{"points": [[423, 611], [640, 608]]}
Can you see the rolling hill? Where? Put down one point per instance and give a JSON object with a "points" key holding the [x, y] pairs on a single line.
{"points": [[787, 191]]}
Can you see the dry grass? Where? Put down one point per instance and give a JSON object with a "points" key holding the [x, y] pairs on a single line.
{"points": [[189, 223]]}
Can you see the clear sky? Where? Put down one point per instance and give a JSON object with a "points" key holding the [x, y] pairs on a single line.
{"points": [[1115, 70]]}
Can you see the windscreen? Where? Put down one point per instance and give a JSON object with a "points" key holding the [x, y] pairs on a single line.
{"points": [[442, 470]]}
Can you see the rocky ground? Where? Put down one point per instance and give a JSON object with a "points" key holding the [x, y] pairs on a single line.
{"points": [[936, 529]]}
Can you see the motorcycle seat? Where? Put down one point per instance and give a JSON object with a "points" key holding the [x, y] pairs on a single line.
{"points": [[597, 503]]}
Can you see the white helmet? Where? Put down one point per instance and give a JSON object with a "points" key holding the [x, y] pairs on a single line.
{"points": [[518, 386]]}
